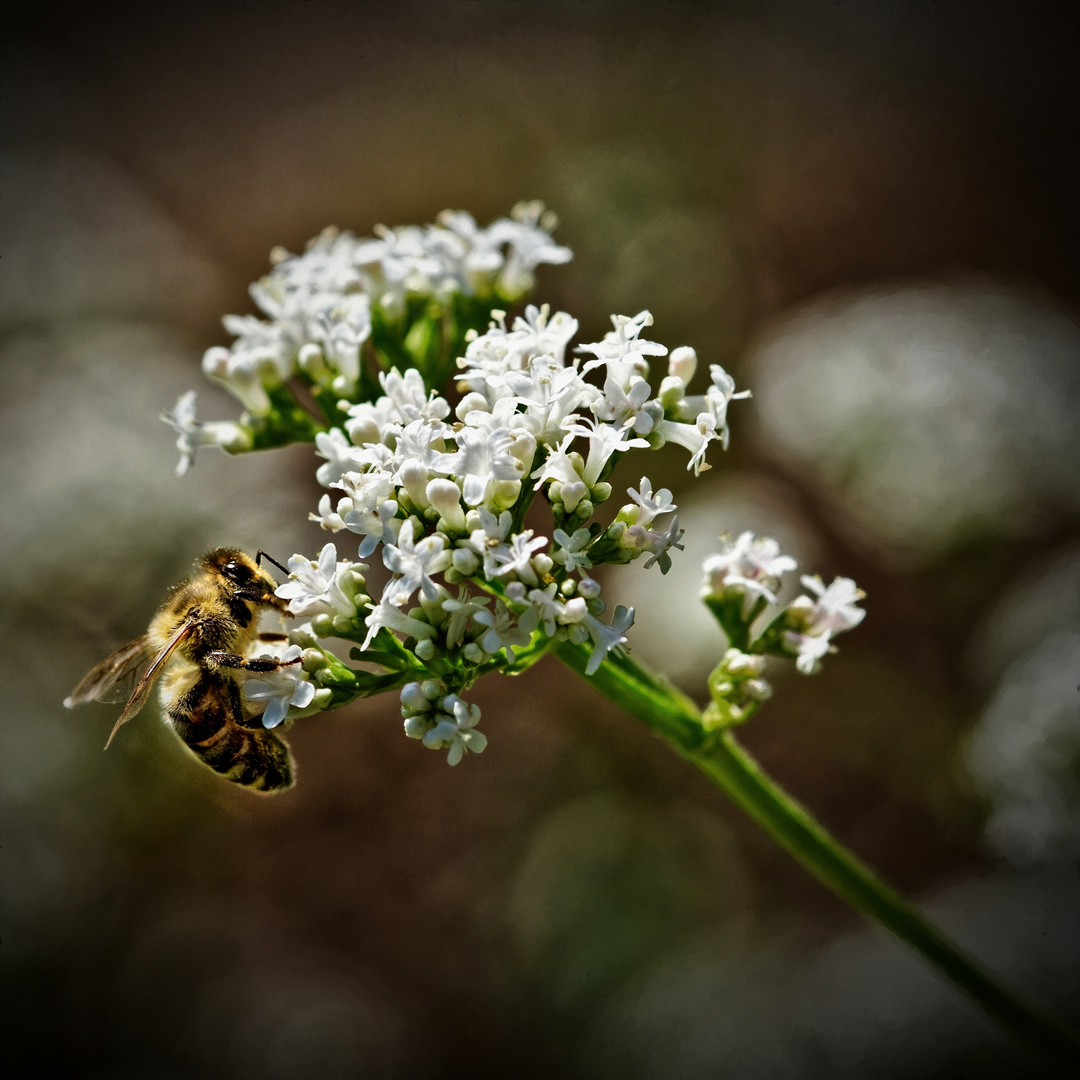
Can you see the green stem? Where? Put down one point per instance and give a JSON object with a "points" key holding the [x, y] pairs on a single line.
{"points": [[676, 719]]}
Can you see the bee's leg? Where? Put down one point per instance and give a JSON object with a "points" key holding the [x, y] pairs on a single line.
{"points": [[236, 705], [273, 637], [215, 660]]}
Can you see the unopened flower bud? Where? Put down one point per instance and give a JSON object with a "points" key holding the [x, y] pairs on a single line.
{"points": [[414, 478], [466, 562], [473, 402], [574, 610], [362, 430], [505, 493], [758, 689], [432, 689], [743, 664], [542, 564], [588, 588], [672, 391], [312, 660], [682, 363], [445, 497], [413, 699], [416, 726], [571, 493]]}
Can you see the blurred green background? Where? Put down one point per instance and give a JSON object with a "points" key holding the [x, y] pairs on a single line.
{"points": [[868, 213]]}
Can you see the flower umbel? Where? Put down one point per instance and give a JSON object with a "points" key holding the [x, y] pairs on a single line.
{"points": [[352, 350], [740, 584]]}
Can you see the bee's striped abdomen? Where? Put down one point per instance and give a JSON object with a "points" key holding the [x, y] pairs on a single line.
{"points": [[206, 717]]}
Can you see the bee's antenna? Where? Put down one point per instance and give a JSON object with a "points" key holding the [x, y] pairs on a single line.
{"points": [[260, 555]]}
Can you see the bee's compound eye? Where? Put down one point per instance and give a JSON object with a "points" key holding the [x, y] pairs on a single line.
{"points": [[231, 570]]}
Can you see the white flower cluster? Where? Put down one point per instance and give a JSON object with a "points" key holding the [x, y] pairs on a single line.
{"points": [[742, 579], [441, 720], [444, 492], [320, 305], [369, 331]]}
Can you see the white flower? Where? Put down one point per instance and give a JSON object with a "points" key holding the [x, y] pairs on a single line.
{"points": [[572, 550], [693, 437], [487, 535], [809, 650], [396, 264], [409, 399], [604, 637], [622, 351], [530, 245], [328, 517], [537, 334], [559, 466], [709, 410], [470, 253], [505, 630], [340, 326], [604, 440], [460, 609], [422, 443], [321, 587], [650, 505], [372, 422], [386, 614], [369, 509], [750, 564], [516, 558], [548, 609], [835, 609], [455, 729], [660, 543], [630, 409], [414, 563], [287, 687], [227, 435], [340, 454], [820, 620], [261, 356], [480, 461], [550, 394]]}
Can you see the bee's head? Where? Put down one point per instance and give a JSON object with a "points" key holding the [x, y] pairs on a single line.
{"points": [[241, 577]]}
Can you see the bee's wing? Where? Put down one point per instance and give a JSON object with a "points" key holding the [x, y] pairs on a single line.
{"points": [[104, 679], [146, 683]]}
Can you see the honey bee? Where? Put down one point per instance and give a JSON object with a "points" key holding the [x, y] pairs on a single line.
{"points": [[200, 635]]}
